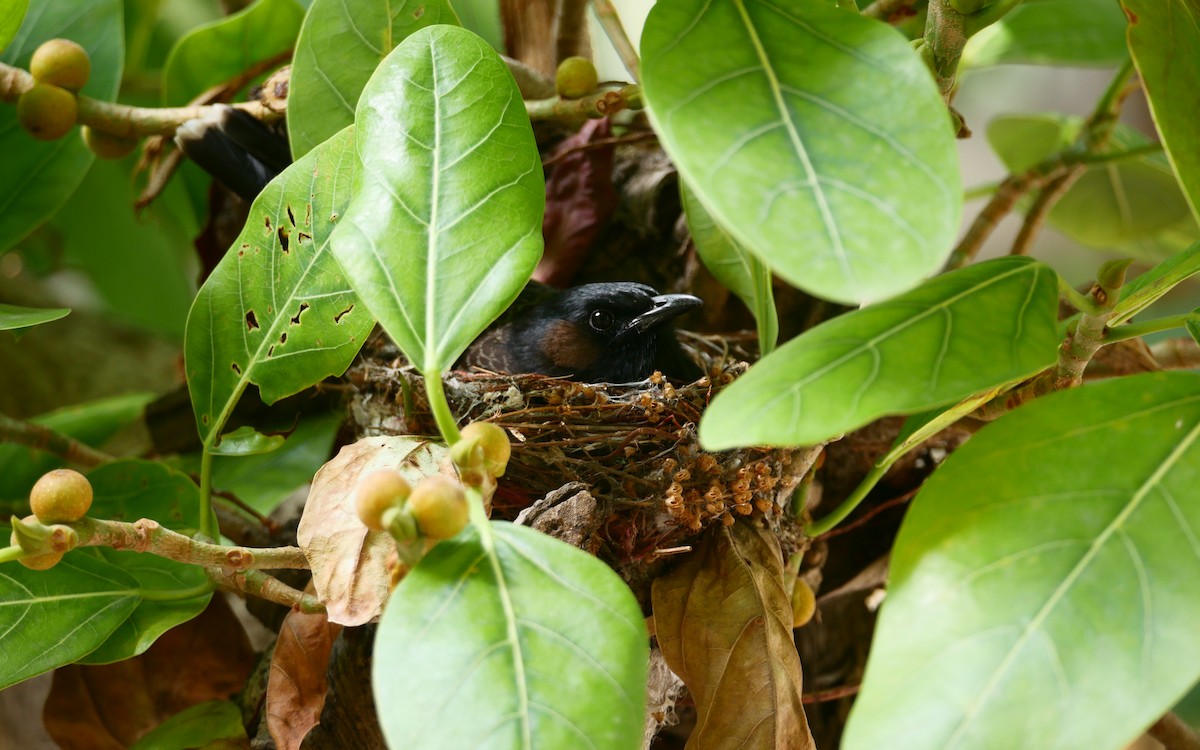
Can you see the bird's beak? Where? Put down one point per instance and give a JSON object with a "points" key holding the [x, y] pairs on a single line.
{"points": [[666, 307]]}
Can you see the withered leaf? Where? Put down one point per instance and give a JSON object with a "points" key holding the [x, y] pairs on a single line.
{"points": [[297, 684], [349, 561], [724, 624]]}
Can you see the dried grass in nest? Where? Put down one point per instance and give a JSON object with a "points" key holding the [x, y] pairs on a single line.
{"points": [[634, 445]]}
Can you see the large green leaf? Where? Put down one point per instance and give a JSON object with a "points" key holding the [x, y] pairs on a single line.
{"points": [[734, 266], [1113, 203], [513, 640], [37, 177], [1164, 37], [445, 227], [12, 12], [1047, 576], [14, 317], [219, 51], [340, 45], [1152, 285], [49, 618], [1052, 32], [956, 335], [815, 136], [212, 724], [277, 311], [175, 592]]}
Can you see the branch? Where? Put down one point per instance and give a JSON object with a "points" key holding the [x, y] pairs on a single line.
{"points": [[42, 438], [264, 586], [1046, 200], [572, 30], [147, 535], [611, 23], [1174, 733], [600, 104]]}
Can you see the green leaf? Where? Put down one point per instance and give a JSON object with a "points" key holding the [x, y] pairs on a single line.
{"points": [[445, 227], [170, 592], [277, 310], [1148, 288], [1113, 203], [1164, 37], [90, 423], [53, 617], [763, 130], [956, 335], [340, 45], [13, 317], [1193, 329], [483, 18], [1048, 574], [216, 52], [37, 177], [203, 725], [12, 12], [1052, 32], [511, 640], [732, 265], [247, 441]]}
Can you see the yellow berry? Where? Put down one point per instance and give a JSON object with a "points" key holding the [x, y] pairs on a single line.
{"points": [[47, 112], [575, 77], [377, 493], [61, 62], [804, 603], [439, 506], [37, 562], [493, 441], [107, 146], [61, 496]]}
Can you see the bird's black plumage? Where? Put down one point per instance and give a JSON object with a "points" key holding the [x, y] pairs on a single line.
{"points": [[613, 332]]}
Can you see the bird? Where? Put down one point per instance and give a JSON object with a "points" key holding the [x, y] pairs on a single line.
{"points": [[606, 332]]}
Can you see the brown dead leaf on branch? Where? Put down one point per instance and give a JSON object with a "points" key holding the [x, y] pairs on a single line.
{"points": [[724, 624]]}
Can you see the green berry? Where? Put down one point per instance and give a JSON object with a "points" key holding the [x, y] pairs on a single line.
{"points": [[61, 496], [47, 112], [439, 506], [377, 493], [575, 77], [37, 562], [61, 62], [491, 440]]}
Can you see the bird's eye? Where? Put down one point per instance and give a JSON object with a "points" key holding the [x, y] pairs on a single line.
{"points": [[600, 320]]}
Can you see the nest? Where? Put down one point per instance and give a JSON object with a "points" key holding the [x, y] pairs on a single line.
{"points": [[634, 446]]}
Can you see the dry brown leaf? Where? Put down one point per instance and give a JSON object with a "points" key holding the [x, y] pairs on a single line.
{"points": [[112, 705], [297, 684], [724, 624], [349, 562]]}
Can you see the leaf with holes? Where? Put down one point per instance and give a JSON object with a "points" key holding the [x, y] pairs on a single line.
{"points": [[277, 310], [1164, 37], [815, 137], [222, 50], [511, 639], [445, 227], [734, 266], [340, 45], [1046, 575], [37, 177], [956, 335], [53, 617]]}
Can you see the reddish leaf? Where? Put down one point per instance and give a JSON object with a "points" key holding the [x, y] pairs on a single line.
{"points": [[297, 685], [580, 199], [349, 562], [724, 624], [112, 705]]}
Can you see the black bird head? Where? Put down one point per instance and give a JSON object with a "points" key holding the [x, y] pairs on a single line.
{"points": [[616, 332]]}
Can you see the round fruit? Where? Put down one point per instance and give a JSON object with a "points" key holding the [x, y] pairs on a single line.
{"points": [[804, 604], [61, 62], [575, 77], [493, 441], [37, 562], [47, 112], [61, 496], [439, 505], [107, 146], [377, 493]]}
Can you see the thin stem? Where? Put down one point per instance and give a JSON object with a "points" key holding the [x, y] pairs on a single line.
{"points": [[206, 465], [1077, 300], [594, 106], [264, 586], [572, 29], [147, 535], [1133, 330], [1046, 200], [1108, 157], [441, 409], [816, 528], [981, 191], [42, 438], [9, 554], [1002, 202], [1174, 733], [1111, 100], [611, 23]]}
